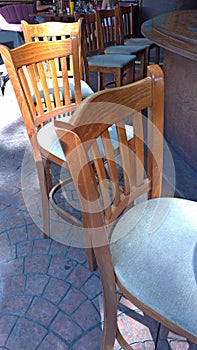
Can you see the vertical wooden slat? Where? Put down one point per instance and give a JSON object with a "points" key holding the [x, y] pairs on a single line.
{"points": [[102, 179], [44, 86], [65, 81], [126, 155], [113, 173], [34, 83], [56, 91], [28, 93], [139, 148]]}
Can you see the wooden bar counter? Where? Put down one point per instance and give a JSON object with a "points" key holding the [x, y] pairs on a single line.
{"points": [[176, 32]]}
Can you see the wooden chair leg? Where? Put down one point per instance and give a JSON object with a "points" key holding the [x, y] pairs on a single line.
{"points": [[122, 341], [101, 81], [157, 54], [143, 64], [48, 175], [147, 58], [91, 259], [130, 74], [110, 323], [118, 77], [44, 198]]}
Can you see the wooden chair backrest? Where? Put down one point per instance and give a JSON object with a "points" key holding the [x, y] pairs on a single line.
{"points": [[38, 101], [54, 31], [108, 181], [89, 39], [89, 33], [108, 30], [126, 22]]}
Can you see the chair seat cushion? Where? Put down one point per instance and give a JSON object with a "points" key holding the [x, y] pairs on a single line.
{"points": [[111, 61], [125, 50], [154, 252], [85, 88], [48, 140], [138, 41]]}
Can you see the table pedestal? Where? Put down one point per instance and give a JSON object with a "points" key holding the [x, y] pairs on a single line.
{"points": [[176, 32]]}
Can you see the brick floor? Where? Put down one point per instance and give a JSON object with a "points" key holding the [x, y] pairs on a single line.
{"points": [[49, 300]]}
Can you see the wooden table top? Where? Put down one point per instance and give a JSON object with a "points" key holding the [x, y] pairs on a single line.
{"points": [[50, 16], [175, 31]]}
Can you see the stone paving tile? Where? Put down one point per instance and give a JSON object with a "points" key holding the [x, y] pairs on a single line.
{"points": [[42, 311], [24, 248], [15, 304], [18, 234], [41, 247], [53, 342], [72, 300], [37, 264], [13, 285], [92, 287], [57, 248], [89, 341], [79, 276], [7, 322], [35, 284], [13, 267], [25, 335], [77, 254], [86, 315], [64, 326], [61, 267], [55, 290]]}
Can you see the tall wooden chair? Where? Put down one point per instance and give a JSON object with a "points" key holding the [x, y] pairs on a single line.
{"points": [[29, 67], [145, 251], [109, 34], [126, 22], [94, 61], [58, 31]]}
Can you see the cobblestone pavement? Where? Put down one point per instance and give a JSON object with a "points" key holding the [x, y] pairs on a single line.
{"points": [[49, 300]]}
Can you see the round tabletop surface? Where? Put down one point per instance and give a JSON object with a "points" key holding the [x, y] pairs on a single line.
{"points": [[175, 31]]}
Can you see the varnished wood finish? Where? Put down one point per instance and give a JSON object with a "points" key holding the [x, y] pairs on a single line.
{"points": [[53, 31], [92, 181], [34, 73], [54, 17], [108, 22]]}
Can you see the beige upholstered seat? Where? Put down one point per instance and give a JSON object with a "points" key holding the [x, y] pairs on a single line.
{"points": [[168, 246]]}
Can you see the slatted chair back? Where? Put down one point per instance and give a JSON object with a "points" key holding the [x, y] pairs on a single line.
{"points": [[107, 21], [39, 102], [114, 173], [54, 31], [89, 38], [89, 31], [126, 22]]}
